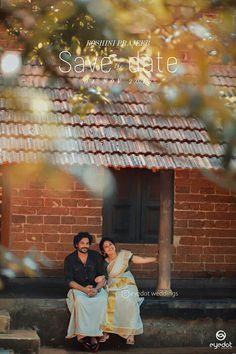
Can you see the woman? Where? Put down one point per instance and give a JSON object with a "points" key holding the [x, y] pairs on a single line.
{"points": [[123, 311]]}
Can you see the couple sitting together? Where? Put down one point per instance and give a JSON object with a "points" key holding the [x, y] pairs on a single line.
{"points": [[103, 296]]}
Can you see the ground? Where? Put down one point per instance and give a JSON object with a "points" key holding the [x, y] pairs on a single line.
{"points": [[179, 350]]}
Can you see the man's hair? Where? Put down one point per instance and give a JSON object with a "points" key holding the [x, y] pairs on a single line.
{"points": [[81, 235], [103, 240]]}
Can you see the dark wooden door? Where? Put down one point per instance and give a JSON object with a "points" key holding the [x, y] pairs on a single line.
{"points": [[132, 213], [1, 177], [120, 211], [150, 207], [5, 206]]}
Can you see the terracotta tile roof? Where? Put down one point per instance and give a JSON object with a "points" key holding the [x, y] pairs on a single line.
{"points": [[124, 133]]}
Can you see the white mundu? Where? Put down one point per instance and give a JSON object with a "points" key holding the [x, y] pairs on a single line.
{"points": [[87, 313]]}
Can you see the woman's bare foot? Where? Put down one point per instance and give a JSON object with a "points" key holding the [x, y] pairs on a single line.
{"points": [[130, 340]]}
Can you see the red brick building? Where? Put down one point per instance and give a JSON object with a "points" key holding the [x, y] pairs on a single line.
{"points": [[44, 207]]}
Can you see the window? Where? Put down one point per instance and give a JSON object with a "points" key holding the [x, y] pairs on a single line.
{"points": [[132, 214]]}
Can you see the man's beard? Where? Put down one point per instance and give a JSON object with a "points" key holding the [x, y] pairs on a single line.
{"points": [[83, 250]]}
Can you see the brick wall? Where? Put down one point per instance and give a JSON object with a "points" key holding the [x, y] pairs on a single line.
{"points": [[47, 218], [204, 224], [204, 227], [204, 230]]}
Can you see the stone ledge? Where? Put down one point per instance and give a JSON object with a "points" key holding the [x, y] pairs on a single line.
{"points": [[4, 322], [21, 341], [157, 303], [55, 287], [6, 351], [166, 323], [176, 350]]}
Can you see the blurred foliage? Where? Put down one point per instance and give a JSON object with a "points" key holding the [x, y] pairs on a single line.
{"points": [[29, 265], [205, 29]]}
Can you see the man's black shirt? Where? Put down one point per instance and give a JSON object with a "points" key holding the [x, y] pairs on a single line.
{"points": [[84, 274]]}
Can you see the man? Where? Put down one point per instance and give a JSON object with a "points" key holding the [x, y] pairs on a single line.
{"points": [[87, 300]]}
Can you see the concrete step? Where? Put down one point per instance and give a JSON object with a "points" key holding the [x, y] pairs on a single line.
{"points": [[175, 323], [56, 287], [21, 341], [172, 350], [6, 351], [4, 321]]}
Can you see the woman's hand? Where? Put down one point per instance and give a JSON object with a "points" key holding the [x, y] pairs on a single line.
{"points": [[144, 260], [99, 279]]}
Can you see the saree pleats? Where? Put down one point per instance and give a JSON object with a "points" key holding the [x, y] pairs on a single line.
{"points": [[123, 310]]}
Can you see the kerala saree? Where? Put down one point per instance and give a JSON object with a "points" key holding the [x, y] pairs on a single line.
{"points": [[123, 310]]}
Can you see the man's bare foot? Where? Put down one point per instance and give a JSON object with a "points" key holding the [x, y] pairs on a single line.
{"points": [[104, 338], [93, 340], [85, 341], [79, 337], [130, 340], [94, 344]]}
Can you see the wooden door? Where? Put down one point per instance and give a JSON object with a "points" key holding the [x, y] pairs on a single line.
{"points": [[5, 206], [1, 178], [132, 213], [150, 207], [121, 210]]}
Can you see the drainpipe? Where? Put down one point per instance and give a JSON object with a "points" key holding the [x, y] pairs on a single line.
{"points": [[165, 237]]}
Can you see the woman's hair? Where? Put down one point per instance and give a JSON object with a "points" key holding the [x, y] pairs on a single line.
{"points": [[81, 235], [103, 240]]}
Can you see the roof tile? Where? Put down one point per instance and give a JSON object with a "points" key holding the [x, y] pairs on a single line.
{"points": [[124, 133]]}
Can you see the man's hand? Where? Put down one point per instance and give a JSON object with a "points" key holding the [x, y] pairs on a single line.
{"points": [[93, 292], [87, 289], [90, 290]]}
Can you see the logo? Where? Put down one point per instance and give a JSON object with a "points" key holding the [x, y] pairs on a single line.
{"points": [[220, 335], [125, 294]]}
